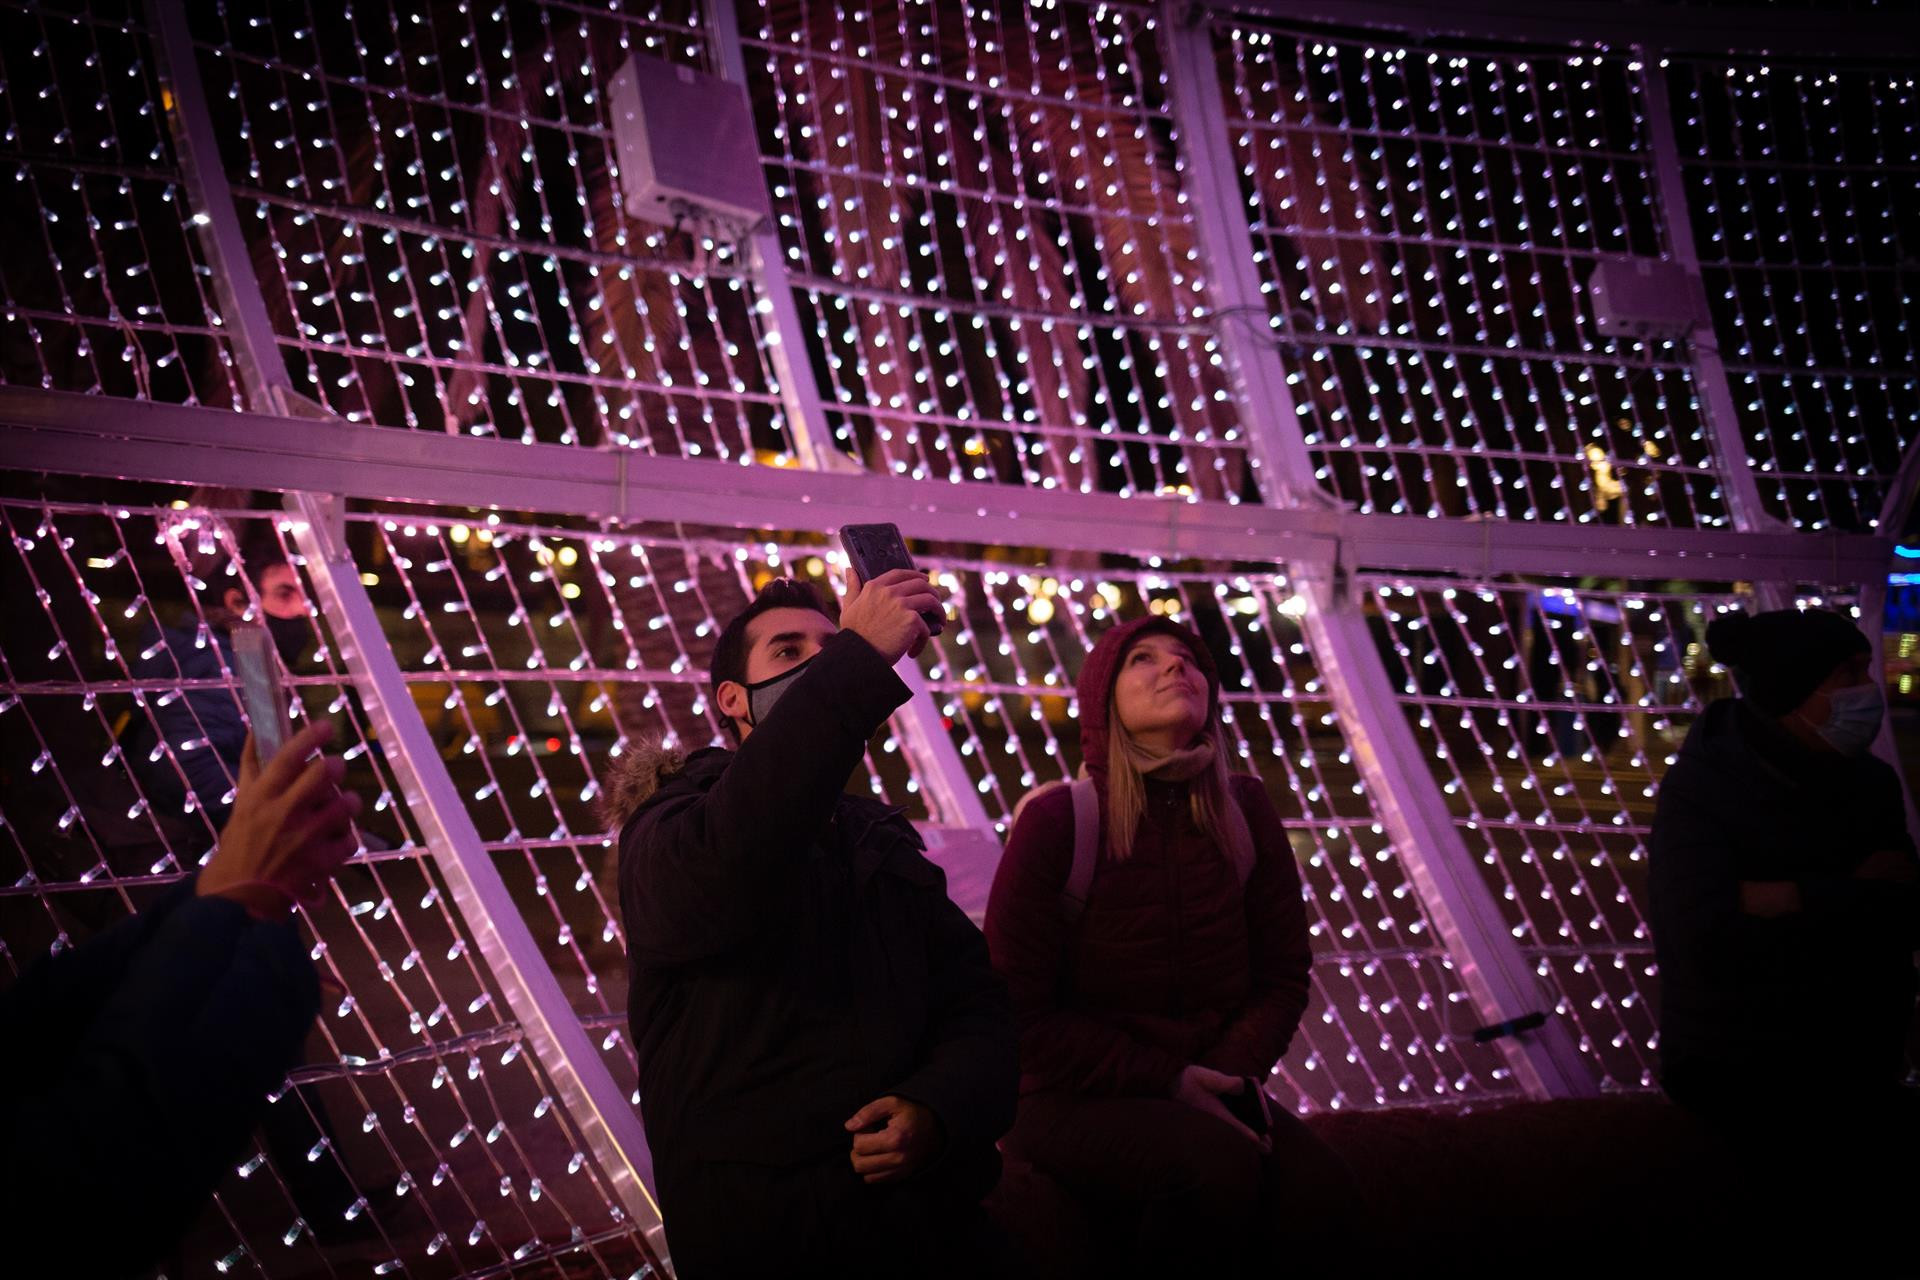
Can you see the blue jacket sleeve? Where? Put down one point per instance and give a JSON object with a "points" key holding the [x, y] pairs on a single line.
{"points": [[204, 727], [155, 1046]]}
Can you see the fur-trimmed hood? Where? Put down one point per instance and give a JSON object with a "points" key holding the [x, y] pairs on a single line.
{"points": [[634, 776]]}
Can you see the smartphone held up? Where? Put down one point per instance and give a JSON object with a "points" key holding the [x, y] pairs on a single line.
{"points": [[262, 691], [874, 549]]}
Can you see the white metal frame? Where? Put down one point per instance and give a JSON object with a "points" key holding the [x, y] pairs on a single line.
{"points": [[1299, 528], [1717, 410], [67, 432], [1492, 971], [608, 1122], [1664, 28]]}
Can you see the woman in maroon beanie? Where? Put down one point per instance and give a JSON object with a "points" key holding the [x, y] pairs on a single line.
{"points": [[1154, 1000]]}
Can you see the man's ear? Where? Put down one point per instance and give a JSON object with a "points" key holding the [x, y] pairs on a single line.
{"points": [[236, 601], [731, 698]]}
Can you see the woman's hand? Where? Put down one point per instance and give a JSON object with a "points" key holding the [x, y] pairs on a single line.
{"points": [[1201, 1088]]}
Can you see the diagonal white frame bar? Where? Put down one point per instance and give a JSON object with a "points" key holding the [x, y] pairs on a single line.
{"points": [[1496, 977], [923, 736], [608, 1122], [786, 343], [1717, 406]]}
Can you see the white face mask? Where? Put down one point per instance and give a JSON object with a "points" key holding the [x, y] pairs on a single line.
{"points": [[1853, 718]]}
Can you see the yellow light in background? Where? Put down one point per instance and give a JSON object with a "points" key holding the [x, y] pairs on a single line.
{"points": [[975, 446], [369, 579], [458, 533], [816, 566], [1294, 606], [543, 554], [485, 535], [569, 556], [1109, 595], [178, 504], [1040, 612], [1906, 683], [99, 562], [571, 590], [1049, 587], [761, 578], [1246, 606]]}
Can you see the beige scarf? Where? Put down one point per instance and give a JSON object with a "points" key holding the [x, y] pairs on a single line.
{"points": [[1188, 763], [1175, 766]]}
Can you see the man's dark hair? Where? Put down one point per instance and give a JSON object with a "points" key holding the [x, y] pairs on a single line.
{"points": [[260, 552], [257, 552], [729, 661]]}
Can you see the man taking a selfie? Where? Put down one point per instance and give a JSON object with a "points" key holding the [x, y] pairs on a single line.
{"points": [[826, 1057]]}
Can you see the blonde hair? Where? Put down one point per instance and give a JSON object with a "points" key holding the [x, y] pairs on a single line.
{"points": [[1207, 793]]}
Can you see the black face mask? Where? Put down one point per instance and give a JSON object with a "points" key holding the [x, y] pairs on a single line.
{"points": [[762, 694], [290, 636]]}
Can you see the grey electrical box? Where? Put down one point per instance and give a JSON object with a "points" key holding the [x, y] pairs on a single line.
{"points": [[1645, 299], [686, 147]]}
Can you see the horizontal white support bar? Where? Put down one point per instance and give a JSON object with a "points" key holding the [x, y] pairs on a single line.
{"points": [[142, 440], [1883, 37]]}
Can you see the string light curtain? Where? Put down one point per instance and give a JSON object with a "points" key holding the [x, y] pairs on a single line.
{"points": [[106, 290], [1800, 183], [530, 634], [437, 218], [984, 213], [1550, 711], [986, 224], [417, 1093], [1425, 225]]}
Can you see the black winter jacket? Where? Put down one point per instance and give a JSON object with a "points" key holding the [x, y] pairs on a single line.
{"points": [[794, 955], [1822, 995]]}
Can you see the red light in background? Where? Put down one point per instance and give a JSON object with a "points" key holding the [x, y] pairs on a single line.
{"points": [[553, 744]]}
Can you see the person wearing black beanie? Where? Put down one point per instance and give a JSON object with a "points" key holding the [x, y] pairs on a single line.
{"points": [[1785, 897]]}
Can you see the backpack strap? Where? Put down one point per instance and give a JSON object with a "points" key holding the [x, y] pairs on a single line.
{"points": [[1086, 848], [1240, 850]]}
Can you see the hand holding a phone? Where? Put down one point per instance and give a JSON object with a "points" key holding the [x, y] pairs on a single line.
{"points": [[290, 829], [1205, 1089], [886, 612]]}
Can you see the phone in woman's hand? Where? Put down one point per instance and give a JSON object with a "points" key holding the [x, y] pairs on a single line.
{"points": [[1250, 1106]]}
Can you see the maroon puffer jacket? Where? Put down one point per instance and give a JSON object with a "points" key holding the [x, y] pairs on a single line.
{"points": [[1172, 961]]}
